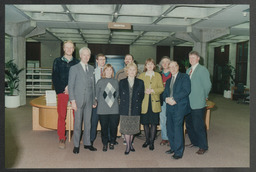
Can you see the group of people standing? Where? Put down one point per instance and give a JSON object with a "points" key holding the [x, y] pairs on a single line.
{"points": [[131, 98]]}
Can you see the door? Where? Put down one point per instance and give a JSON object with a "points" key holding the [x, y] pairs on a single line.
{"points": [[221, 59]]}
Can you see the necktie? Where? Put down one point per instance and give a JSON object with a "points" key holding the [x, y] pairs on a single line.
{"points": [[101, 72], [171, 86], [85, 68], [190, 72]]}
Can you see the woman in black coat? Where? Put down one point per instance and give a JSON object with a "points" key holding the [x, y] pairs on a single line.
{"points": [[131, 92]]}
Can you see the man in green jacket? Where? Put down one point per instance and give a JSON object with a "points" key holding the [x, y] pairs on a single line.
{"points": [[200, 88]]}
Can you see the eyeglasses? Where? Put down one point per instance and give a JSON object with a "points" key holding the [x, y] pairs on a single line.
{"points": [[102, 59]]}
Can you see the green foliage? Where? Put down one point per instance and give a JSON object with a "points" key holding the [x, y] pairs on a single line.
{"points": [[185, 63], [228, 71], [12, 75]]}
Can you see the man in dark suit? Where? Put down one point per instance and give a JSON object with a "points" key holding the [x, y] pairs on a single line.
{"points": [[176, 94], [81, 88], [200, 88]]}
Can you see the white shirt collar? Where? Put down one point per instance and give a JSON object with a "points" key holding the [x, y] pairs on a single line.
{"points": [[83, 65], [193, 67], [150, 74], [175, 75]]}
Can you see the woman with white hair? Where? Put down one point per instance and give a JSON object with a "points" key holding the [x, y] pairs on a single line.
{"points": [[131, 91]]}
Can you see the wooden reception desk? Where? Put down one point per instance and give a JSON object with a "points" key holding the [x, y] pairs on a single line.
{"points": [[45, 116]]}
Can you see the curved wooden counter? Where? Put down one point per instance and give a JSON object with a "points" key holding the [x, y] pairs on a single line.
{"points": [[45, 116], [209, 106]]}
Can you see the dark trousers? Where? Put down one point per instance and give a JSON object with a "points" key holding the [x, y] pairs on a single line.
{"points": [[94, 124], [174, 127], [195, 124], [110, 121]]}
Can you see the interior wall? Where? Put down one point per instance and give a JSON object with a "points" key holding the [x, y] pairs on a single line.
{"points": [[78, 47], [141, 53], [8, 50], [49, 51], [210, 61], [248, 67], [171, 52]]}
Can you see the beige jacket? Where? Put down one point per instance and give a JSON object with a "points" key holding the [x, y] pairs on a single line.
{"points": [[156, 84]]}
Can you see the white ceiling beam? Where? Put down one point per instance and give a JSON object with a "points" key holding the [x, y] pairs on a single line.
{"points": [[184, 36], [35, 32], [54, 35], [172, 7], [211, 34], [20, 29]]}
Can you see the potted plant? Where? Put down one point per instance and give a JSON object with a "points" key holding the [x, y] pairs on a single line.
{"points": [[228, 71], [185, 63], [12, 98]]}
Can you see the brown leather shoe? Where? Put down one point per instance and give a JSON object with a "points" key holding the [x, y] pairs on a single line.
{"points": [[62, 144], [201, 151], [163, 142]]}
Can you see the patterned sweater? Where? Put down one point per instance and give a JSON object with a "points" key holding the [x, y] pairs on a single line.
{"points": [[107, 92]]}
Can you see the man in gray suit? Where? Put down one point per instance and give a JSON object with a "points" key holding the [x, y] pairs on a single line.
{"points": [[81, 88]]}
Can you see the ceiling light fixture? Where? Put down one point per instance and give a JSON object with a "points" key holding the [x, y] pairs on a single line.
{"points": [[244, 14], [67, 11]]}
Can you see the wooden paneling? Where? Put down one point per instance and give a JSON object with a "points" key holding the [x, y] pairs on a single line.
{"points": [[111, 49], [180, 54], [33, 51], [241, 62], [107, 49], [221, 58], [162, 51]]}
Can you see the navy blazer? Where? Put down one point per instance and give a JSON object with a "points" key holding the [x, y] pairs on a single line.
{"points": [[137, 97], [181, 91]]}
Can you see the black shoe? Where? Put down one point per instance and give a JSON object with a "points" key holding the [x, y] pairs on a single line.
{"points": [[145, 144], [126, 153], [91, 148], [111, 146], [105, 148], [169, 152], [76, 150], [151, 147], [132, 149], [116, 143], [176, 157]]}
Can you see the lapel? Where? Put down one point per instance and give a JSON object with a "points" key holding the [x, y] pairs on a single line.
{"points": [[135, 83], [126, 85], [82, 72], [176, 81], [195, 71]]}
